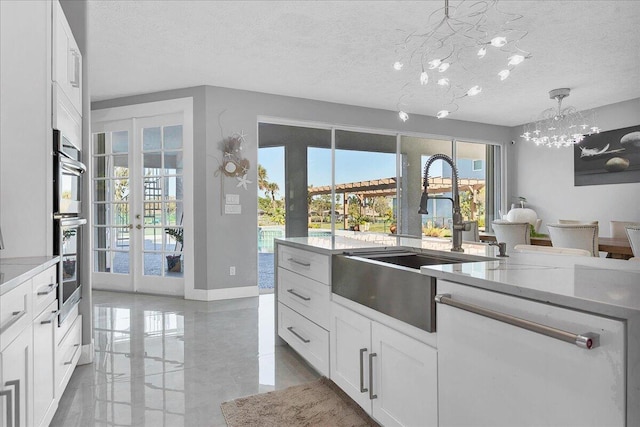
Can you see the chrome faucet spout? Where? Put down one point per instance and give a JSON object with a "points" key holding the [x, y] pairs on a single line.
{"points": [[458, 226]]}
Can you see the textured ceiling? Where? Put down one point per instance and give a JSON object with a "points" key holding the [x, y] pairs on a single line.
{"points": [[342, 51]]}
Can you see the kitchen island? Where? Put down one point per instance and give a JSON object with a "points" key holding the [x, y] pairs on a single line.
{"points": [[545, 378]]}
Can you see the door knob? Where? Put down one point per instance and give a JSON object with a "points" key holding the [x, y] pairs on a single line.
{"points": [[138, 226], [130, 226]]}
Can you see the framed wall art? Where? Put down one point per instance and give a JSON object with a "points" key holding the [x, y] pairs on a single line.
{"points": [[610, 157]]}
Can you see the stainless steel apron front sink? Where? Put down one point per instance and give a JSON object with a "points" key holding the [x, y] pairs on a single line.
{"points": [[390, 282]]}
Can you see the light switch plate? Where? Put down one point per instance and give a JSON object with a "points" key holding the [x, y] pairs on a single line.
{"points": [[232, 199], [232, 209]]}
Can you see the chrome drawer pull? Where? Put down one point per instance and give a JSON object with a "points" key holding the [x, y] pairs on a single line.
{"points": [[371, 395], [362, 389], [588, 340], [16, 384], [295, 261], [303, 339], [54, 314], [50, 289], [16, 315], [291, 291], [77, 346]]}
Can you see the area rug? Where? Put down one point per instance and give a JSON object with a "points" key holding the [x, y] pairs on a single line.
{"points": [[319, 403]]}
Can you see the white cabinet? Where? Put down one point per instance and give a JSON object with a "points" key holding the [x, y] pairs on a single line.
{"points": [[67, 60], [16, 356], [45, 322], [67, 355], [497, 374], [391, 376], [15, 388], [303, 303]]}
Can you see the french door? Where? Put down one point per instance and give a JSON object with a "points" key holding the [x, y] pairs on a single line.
{"points": [[138, 205]]}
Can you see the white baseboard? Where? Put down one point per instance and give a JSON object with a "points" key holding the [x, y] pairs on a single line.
{"points": [[86, 355], [220, 294]]}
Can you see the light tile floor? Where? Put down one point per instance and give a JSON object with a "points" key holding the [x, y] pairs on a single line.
{"points": [[163, 361]]}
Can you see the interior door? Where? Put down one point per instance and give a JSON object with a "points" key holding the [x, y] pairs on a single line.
{"points": [[138, 205]]}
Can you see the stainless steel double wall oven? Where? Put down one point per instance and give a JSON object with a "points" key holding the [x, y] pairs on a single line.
{"points": [[68, 171]]}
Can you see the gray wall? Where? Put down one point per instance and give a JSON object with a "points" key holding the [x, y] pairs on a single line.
{"points": [[225, 240], [545, 177]]}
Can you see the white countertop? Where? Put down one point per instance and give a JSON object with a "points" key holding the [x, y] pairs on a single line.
{"points": [[599, 285], [14, 271]]}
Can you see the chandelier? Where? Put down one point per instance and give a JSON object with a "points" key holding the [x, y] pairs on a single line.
{"points": [[563, 127], [461, 48]]}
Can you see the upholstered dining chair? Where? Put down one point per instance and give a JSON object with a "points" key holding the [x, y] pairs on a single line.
{"points": [[617, 228], [473, 235], [633, 233], [579, 236], [512, 233], [535, 249], [575, 221]]}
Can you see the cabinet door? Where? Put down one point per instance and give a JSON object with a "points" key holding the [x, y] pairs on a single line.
{"points": [[350, 348], [495, 374], [44, 345], [67, 61], [14, 372], [405, 379]]}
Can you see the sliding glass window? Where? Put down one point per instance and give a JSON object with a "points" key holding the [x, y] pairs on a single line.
{"points": [[365, 181], [372, 182]]}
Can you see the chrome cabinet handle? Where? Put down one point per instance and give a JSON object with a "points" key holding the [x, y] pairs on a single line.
{"points": [[50, 289], [295, 261], [77, 346], [16, 315], [54, 314], [16, 401], [9, 410], [362, 389], [303, 339], [75, 82], [588, 340], [291, 291], [371, 395]]}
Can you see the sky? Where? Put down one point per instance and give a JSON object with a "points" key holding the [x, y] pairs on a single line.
{"points": [[351, 166]]}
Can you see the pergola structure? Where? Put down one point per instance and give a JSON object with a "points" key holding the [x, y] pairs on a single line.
{"points": [[387, 187]]}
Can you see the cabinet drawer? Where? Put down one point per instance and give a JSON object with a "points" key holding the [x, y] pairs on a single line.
{"points": [[44, 345], [307, 297], [67, 355], [305, 337], [310, 264], [15, 312], [45, 285]]}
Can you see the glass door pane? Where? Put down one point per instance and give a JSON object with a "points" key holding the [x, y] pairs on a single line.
{"points": [[478, 165], [365, 180], [414, 154], [111, 189], [162, 195]]}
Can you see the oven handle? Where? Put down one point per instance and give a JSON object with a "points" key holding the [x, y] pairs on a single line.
{"points": [[70, 222], [72, 166]]}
